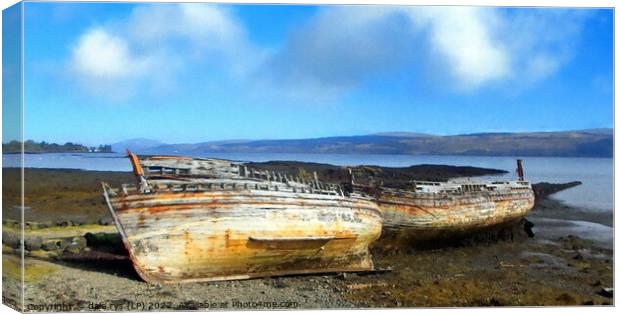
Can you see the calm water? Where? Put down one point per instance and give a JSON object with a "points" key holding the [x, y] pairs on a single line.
{"points": [[595, 194]]}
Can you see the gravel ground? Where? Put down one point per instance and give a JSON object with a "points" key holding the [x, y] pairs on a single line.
{"points": [[556, 267]]}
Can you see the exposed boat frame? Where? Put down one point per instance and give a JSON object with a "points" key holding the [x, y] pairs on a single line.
{"points": [[432, 210], [224, 224]]}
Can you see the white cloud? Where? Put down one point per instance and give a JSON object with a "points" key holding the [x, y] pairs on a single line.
{"points": [[467, 47], [155, 43], [99, 54], [335, 51], [208, 23], [105, 64], [541, 41], [204, 25], [196, 32], [463, 36]]}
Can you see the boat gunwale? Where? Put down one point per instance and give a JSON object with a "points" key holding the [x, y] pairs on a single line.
{"points": [[122, 204], [138, 196], [148, 276], [410, 200]]}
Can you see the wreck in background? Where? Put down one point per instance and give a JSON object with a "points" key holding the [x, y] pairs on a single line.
{"points": [[208, 219], [433, 210]]}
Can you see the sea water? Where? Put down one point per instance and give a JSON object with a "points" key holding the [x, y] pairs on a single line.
{"points": [[596, 174]]}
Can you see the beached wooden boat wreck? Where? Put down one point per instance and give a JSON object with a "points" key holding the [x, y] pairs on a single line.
{"points": [[431, 210], [208, 219]]}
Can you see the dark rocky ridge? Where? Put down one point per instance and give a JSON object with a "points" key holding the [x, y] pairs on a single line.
{"points": [[397, 177], [544, 189]]}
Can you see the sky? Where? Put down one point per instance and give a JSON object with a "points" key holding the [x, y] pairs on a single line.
{"points": [[11, 56], [104, 72]]}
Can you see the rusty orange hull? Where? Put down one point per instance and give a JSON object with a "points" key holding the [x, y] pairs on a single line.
{"points": [[426, 216], [237, 234]]}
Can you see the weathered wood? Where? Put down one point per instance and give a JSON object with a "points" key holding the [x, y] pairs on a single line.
{"points": [[204, 228], [174, 239], [438, 208]]}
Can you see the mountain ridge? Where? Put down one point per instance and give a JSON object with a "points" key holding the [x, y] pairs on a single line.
{"points": [[577, 143]]}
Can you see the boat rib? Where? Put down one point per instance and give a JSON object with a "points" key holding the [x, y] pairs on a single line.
{"points": [[193, 220]]}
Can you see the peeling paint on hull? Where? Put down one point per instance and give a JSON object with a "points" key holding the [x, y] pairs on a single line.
{"points": [[427, 216], [244, 233]]}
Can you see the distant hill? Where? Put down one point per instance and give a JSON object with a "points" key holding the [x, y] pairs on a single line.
{"points": [[136, 144], [581, 143], [605, 131], [404, 134]]}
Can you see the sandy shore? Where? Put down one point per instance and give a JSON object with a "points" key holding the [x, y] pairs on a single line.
{"points": [[569, 261]]}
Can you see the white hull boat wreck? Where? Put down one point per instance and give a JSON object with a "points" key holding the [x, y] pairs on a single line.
{"points": [[435, 210], [190, 220]]}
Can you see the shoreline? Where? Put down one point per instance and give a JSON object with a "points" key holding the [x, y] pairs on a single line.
{"points": [[554, 218], [556, 267], [603, 216], [555, 208], [76, 194]]}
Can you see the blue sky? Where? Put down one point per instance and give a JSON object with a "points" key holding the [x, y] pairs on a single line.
{"points": [[99, 73], [11, 56]]}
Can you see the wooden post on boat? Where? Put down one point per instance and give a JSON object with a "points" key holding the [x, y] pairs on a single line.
{"points": [[137, 169], [351, 177], [135, 163], [316, 180], [520, 169]]}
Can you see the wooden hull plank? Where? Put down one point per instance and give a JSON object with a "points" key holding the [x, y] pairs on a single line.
{"points": [[241, 238]]}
